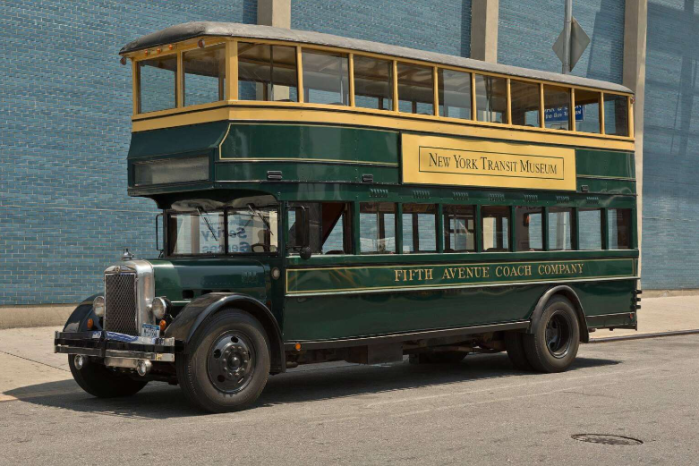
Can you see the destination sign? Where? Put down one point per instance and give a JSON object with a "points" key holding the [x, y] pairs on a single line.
{"points": [[450, 161]]}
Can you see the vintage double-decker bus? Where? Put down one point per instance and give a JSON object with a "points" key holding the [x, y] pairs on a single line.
{"points": [[326, 199]]}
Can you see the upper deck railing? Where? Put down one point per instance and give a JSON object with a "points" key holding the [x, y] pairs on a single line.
{"points": [[198, 72]]}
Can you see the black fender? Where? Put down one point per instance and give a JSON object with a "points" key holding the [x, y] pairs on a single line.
{"points": [[77, 322], [572, 296], [194, 314]]}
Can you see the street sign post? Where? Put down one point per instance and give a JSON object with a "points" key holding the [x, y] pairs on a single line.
{"points": [[569, 51]]}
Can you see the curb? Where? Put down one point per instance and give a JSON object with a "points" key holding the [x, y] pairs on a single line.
{"points": [[52, 315], [643, 336]]}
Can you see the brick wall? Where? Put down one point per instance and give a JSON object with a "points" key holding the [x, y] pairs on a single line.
{"points": [[671, 146], [443, 26], [529, 28], [65, 104]]}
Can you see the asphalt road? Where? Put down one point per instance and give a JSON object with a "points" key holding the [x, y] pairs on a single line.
{"points": [[478, 412]]}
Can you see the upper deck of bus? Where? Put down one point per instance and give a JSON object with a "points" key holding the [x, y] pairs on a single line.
{"points": [[261, 96]]}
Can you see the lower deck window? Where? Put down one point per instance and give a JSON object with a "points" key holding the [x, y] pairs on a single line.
{"points": [[377, 227], [419, 228], [329, 227], [459, 228], [619, 228], [197, 233], [560, 229], [591, 229], [529, 228], [495, 225]]}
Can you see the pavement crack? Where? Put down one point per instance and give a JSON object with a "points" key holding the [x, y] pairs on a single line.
{"points": [[36, 362]]}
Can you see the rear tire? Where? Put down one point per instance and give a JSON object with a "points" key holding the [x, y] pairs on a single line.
{"points": [[227, 363], [555, 341], [100, 381], [514, 344]]}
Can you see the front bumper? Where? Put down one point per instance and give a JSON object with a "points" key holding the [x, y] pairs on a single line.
{"points": [[116, 346]]}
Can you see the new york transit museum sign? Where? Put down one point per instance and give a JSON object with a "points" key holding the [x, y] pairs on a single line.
{"points": [[449, 161]]}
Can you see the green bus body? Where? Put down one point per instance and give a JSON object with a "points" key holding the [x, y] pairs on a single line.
{"points": [[344, 297]]}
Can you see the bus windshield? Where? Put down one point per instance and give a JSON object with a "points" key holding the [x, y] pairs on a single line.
{"points": [[246, 226]]}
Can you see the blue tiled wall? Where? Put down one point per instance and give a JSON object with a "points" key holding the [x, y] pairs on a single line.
{"points": [[529, 28], [437, 26], [65, 104], [671, 146]]}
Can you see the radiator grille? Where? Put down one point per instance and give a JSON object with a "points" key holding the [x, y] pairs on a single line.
{"points": [[121, 303]]}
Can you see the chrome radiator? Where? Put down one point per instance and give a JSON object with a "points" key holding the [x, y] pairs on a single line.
{"points": [[121, 303]]}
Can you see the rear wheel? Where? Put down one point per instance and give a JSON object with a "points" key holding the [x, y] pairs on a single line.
{"points": [[227, 365], [102, 382], [555, 341]]}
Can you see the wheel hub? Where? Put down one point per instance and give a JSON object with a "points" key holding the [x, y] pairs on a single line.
{"points": [[231, 362], [558, 335]]}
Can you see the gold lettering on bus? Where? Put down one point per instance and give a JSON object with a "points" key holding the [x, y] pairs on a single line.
{"points": [[513, 271], [409, 275], [561, 269]]}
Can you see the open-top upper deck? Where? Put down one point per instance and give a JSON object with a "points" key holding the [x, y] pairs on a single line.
{"points": [[334, 109]]}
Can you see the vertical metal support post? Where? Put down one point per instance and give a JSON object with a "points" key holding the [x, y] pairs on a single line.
{"points": [[545, 227], [399, 228], [395, 86], [299, 75], [605, 228], [435, 88], [440, 228], [575, 244], [566, 33], [351, 79], [513, 229], [356, 240], [479, 229]]}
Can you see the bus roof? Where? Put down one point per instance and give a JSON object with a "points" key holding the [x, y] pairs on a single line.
{"points": [[191, 30]]}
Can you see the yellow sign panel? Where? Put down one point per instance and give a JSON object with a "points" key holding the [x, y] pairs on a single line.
{"points": [[458, 162]]}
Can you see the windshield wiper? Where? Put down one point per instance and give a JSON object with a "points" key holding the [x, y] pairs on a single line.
{"points": [[264, 220], [208, 224]]}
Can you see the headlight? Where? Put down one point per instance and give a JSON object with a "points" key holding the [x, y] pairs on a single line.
{"points": [[160, 307], [98, 306]]}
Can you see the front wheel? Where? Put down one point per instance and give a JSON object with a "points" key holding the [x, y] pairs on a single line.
{"points": [[227, 365], [102, 382], [555, 341]]}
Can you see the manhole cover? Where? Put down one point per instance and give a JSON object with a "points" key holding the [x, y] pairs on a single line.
{"points": [[604, 439]]}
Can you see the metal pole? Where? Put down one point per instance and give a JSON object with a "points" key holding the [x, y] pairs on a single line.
{"points": [[566, 32]]}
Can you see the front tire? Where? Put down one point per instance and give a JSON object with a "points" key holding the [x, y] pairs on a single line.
{"points": [[555, 341], [99, 381], [227, 365]]}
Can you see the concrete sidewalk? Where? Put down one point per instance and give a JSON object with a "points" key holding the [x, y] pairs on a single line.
{"points": [[29, 367], [660, 315]]}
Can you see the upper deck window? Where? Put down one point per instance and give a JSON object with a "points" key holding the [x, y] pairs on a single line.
{"points": [[267, 72], [587, 111], [526, 102], [204, 75], [415, 89], [491, 99], [454, 94], [557, 107], [616, 115], [373, 83], [325, 77], [157, 84]]}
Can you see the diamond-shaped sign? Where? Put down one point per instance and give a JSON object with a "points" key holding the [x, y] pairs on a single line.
{"points": [[579, 41]]}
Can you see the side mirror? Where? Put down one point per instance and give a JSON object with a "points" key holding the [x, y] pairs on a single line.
{"points": [[305, 253]]}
